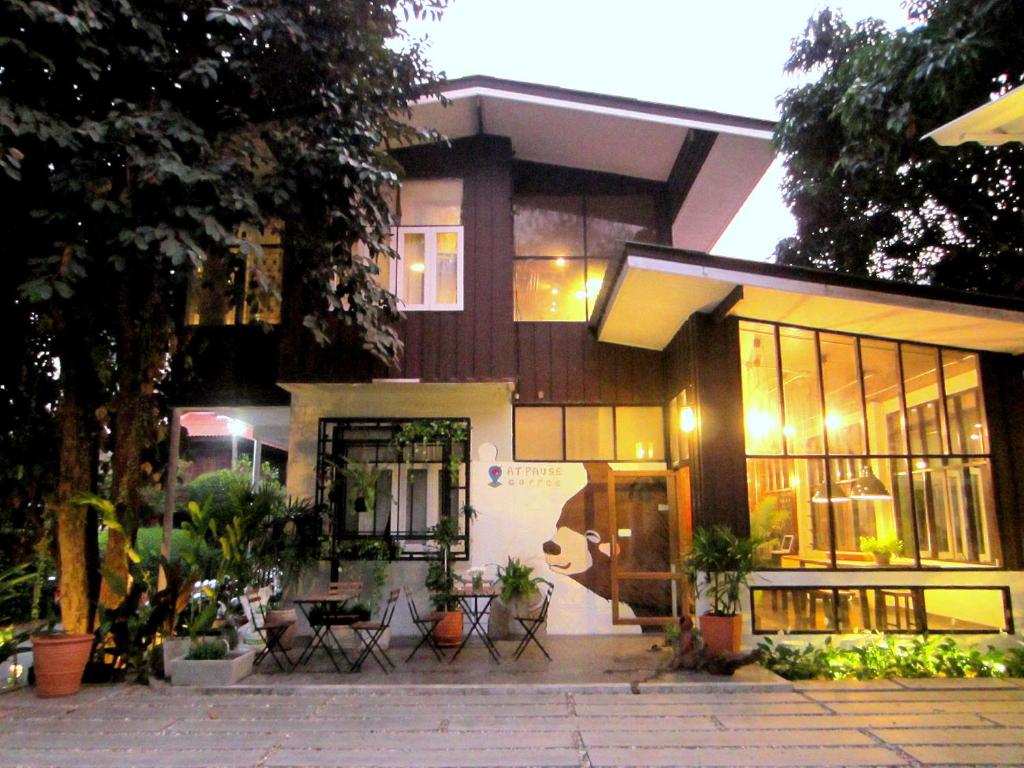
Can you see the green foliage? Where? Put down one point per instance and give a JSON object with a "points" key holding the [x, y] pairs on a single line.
{"points": [[881, 545], [363, 478], [424, 432], [672, 633], [366, 560], [208, 650], [869, 195], [517, 581], [440, 581], [12, 583], [719, 565], [882, 656]]}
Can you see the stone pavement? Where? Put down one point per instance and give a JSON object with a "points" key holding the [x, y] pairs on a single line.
{"points": [[936, 722]]}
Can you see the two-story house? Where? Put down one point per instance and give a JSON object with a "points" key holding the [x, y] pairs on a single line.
{"points": [[582, 373]]}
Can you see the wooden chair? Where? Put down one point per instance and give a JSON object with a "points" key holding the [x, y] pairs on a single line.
{"points": [[271, 636], [425, 624], [370, 632]]}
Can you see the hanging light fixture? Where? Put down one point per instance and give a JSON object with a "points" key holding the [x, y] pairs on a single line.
{"points": [[868, 487], [822, 496]]}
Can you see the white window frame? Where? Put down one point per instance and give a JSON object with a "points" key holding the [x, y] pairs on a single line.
{"points": [[397, 281]]}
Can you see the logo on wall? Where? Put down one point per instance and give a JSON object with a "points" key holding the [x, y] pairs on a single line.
{"points": [[495, 474]]}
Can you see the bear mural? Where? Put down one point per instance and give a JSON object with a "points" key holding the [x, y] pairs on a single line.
{"points": [[580, 548]]}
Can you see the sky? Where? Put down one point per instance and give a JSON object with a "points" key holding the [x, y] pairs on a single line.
{"points": [[722, 55]]}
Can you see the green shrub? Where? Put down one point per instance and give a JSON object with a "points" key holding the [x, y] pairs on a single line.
{"points": [[882, 656], [208, 650]]}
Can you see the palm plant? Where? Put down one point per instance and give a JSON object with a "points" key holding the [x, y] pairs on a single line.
{"points": [[719, 565]]}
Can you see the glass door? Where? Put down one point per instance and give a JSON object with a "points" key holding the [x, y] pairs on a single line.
{"points": [[647, 532]]}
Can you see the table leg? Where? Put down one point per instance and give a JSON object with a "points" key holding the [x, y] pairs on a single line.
{"points": [[466, 610]]}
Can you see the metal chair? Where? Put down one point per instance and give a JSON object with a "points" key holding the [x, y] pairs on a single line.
{"points": [[531, 624], [330, 613], [271, 636], [425, 624], [370, 632]]}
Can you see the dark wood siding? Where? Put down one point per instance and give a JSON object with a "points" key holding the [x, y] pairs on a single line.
{"points": [[1002, 386]]}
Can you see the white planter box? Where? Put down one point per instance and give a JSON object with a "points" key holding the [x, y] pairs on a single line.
{"points": [[173, 648], [227, 671]]}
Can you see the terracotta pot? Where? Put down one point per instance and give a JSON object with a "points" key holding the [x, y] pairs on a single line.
{"points": [[448, 632], [721, 634], [288, 617], [883, 558], [59, 663]]}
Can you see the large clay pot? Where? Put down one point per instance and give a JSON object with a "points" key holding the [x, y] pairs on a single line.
{"points": [[59, 663], [721, 634], [277, 617], [448, 632]]}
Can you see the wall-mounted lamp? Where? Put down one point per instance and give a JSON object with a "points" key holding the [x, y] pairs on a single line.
{"points": [[687, 419]]}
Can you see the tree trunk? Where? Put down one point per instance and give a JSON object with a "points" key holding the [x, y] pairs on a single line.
{"points": [[77, 455]]}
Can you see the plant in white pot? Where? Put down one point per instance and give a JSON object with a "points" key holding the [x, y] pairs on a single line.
{"points": [[719, 565], [520, 594]]}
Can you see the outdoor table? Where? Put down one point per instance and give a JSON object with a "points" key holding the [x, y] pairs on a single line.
{"points": [[332, 603], [475, 605]]}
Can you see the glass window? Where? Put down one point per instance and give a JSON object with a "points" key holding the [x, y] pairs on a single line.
{"points": [[446, 267], [538, 434], [882, 396], [550, 290], [794, 610], [589, 433], [240, 288], [789, 512], [955, 512], [414, 267], [968, 431], [596, 269], [873, 518], [614, 219], [762, 414], [682, 423], [925, 423], [548, 225], [434, 202], [639, 433], [843, 411], [801, 390], [966, 610]]}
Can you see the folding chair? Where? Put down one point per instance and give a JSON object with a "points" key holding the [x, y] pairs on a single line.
{"points": [[327, 614], [271, 636], [531, 624], [425, 624], [370, 632]]}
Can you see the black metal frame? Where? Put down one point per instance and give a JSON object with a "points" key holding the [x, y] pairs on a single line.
{"points": [[271, 636], [917, 589], [531, 624], [827, 458], [370, 633], [331, 491], [426, 625]]}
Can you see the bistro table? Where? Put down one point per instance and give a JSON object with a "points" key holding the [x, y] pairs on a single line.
{"points": [[475, 604], [324, 611]]}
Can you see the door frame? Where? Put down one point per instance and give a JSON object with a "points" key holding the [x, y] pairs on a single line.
{"points": [[677, 488]]}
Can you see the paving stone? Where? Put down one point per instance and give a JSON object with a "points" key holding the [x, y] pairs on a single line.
{"points": [[1012, 719], [795, 756], [462, 758], [996, 754], [882, 720], [911, 707], [685, 709], [138, 758], [954, 683], [690, 698], [432, 740], [907, 695], [808, 738], [950, 735], [640, 724], [845, 685]]}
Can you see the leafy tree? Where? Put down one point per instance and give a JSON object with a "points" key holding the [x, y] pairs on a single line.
{"points": [[869, 196], [137, 140]]}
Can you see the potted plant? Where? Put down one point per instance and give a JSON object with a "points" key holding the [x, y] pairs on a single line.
{"points": [[881, 547], [440, 582], [719, 565], [519, 590], [210, 659]]}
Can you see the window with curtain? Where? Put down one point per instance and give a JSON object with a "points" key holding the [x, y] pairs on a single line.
{"points": [[562, 247], [865, 453]]}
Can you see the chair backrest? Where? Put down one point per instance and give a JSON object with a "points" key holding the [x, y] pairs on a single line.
{"points": [[389, 608], [543, 613], [257, 611], [413, 611]]}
